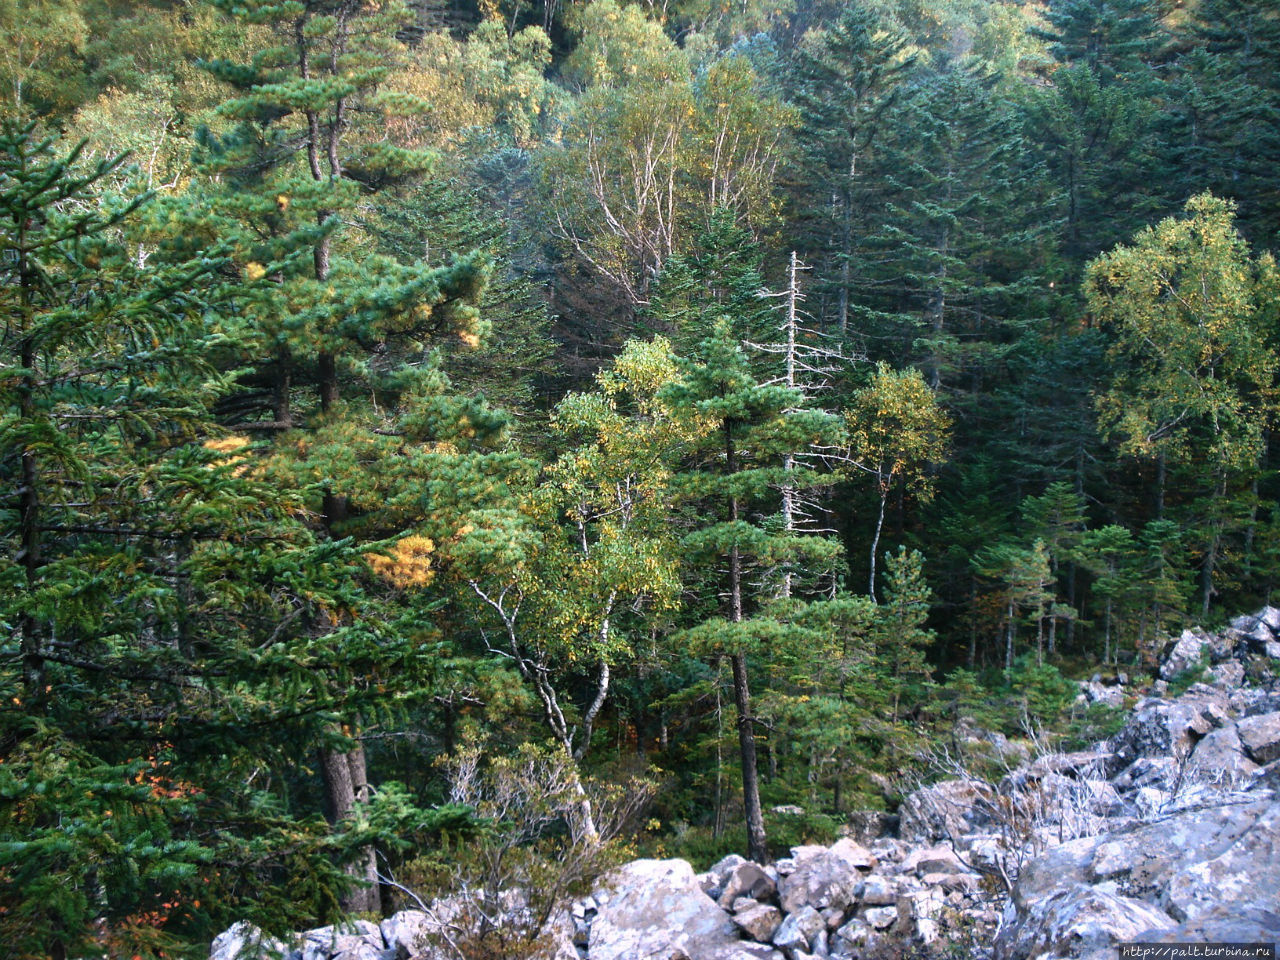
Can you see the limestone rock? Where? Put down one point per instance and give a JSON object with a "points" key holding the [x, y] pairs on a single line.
{"points": [[879, 891], [713, 881], [1184, 653], [347, 938], [1260, 736], [1164, 728], [244, 941], [1222, 924], [656, 908], [867, 826]]}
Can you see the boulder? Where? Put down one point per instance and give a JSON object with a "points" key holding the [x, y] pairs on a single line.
{"points": [[1222, 924], [942, 810], [747, 880], [656, 908], [1193, 864], [1076, 921], [879, 891], [854, 854], [759, 922], [852, 934], [881, 918], [935, 859], [867, 826], [1094, 692], [1167, 729], [1184, 653], [1227, 675], [799, 929], [1220, 758], [244, 941], [824, 877], [351, 938], [405, 932], [1260, 736], [713, 881]]}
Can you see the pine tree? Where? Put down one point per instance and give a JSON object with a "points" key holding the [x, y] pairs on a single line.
{"points": [[745, 428]]}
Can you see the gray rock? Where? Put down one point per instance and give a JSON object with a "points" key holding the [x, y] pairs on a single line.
{"points": [[1227, 675], [820, 945], [747, 880], [1164, 728], [853, 933], [1075, 921], [1220, 758], [1095, 692], [1186, 866], [713, 881], [349, 938], [879, 891], [867, 826], [854, 854], [244, 941], [759, 922], [880, 918], [656, 908], [405, 932], [935, 859], [823, 877], [798, 930], [365, 951], [942, 810], [1184, 653], [1222, 924], [1260, 736]]}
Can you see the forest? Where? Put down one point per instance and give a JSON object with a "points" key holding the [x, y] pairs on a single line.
{"points": [[476, 441]]}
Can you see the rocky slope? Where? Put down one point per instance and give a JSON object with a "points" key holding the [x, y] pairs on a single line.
{"points": [[1169, 831]]}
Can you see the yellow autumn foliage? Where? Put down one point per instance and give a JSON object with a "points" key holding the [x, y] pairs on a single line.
{"points": [[406, 564]]}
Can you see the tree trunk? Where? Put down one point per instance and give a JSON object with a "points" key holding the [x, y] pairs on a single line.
{"points": [[875, 543], [757, 848], [345, 785]]}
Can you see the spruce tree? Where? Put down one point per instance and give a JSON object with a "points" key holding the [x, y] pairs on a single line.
{"points": [[338, 343], [151, 577]]}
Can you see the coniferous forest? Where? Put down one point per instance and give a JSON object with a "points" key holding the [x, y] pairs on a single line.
{"points": [[478, 441]]}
